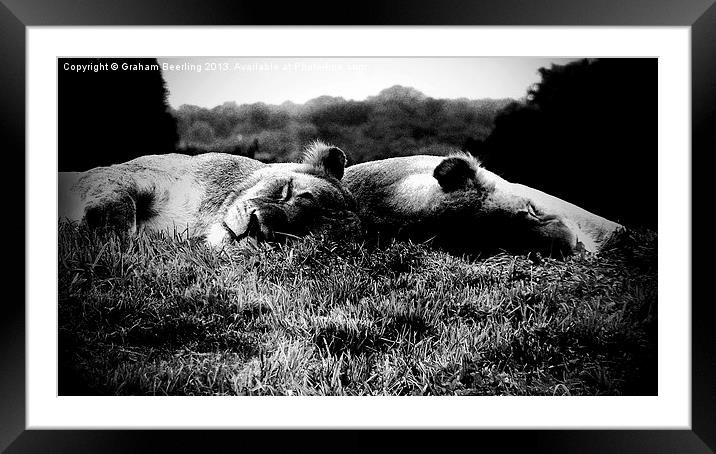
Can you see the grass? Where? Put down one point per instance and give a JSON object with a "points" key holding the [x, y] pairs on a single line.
{"points": [[164, 315]]}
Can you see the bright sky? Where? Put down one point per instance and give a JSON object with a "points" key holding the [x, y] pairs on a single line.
{"points": [[208, 82]]}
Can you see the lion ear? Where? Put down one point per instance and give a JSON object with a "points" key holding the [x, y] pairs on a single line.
{"points": [[331, 160], [455, 173]]}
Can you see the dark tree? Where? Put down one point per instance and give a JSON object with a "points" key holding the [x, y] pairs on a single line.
{"points": [[110, 115], [588, 134]]}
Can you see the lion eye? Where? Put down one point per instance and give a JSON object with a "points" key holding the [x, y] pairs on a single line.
{"points": [[530, 212]]}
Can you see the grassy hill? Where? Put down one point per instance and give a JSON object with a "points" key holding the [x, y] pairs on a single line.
{"points": [[163, 314]]}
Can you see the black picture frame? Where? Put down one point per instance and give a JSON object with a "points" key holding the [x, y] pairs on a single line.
{"points": [[16, 15]]}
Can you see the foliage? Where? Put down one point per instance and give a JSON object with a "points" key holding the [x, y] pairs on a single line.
{"points": [[396, 122]]}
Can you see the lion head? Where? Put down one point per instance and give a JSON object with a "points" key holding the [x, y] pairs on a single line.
{"points": [[284, 200], [457, 203]]}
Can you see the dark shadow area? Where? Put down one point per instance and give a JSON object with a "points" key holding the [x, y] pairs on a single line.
{"points": [[587, 133], [108, 116]]}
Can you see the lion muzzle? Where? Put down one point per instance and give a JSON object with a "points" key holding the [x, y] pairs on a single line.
{"points": [[252, 220], [241, 222]]}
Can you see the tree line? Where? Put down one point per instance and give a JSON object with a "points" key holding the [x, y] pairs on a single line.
{"points": [[395, 122]]}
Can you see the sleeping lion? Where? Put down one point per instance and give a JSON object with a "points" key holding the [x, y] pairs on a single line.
{"points": [[221, 197], [464, 207]]}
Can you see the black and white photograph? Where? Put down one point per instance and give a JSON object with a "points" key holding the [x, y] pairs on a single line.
{"points": [[357, 226]]}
